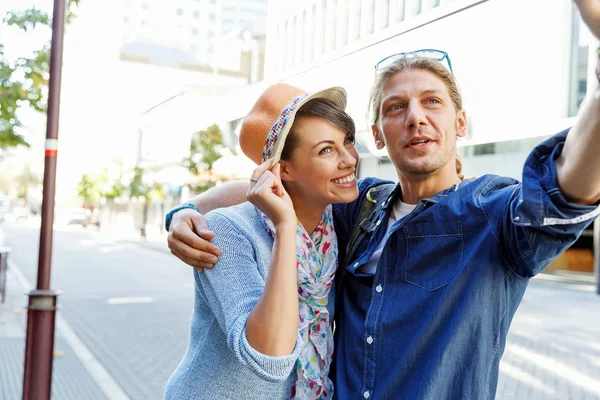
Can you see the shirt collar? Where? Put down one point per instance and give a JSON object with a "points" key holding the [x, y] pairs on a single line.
{"points": [[397, 194]]}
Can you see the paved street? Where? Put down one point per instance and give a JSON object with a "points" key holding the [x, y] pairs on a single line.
{"points": [[129, 304]]}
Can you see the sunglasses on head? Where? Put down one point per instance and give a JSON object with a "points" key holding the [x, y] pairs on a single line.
{"points": [[433, 54]]}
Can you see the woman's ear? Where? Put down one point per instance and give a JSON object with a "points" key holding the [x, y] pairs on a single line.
{"points": [[286, 171]]}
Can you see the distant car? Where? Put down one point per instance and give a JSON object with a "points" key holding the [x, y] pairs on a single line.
{"points": [[83, 217]]}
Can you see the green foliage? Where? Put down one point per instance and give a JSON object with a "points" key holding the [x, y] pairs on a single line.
{"points": [[26, 179], [139, 188], [24, 83], [88, 189], [206, 148]]}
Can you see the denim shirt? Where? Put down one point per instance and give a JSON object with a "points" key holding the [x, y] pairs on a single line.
{"points": [[431, 323]]}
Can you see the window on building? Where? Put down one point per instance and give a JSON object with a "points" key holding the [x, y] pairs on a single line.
{"points": [[196, 14], [354, 21], [382, 12], [367, 17], [194, 48], [128, 3], [144, 22], [580, 48], [341, 38], [180, 11], [145, 5], [127, 20], [213, 1], [195, 31], [211, 17], [210, 34]]}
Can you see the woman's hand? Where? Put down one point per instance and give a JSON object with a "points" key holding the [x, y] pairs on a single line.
{"points": [[268, 194]]}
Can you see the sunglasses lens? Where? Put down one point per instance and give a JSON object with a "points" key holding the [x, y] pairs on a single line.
{"points": [[437, 55], [434, 54]]}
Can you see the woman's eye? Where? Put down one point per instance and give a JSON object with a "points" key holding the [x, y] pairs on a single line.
{"points": [[326, 150], [395, 107], [349, 140]]}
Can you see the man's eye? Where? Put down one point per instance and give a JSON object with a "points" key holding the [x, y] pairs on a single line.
{"points": [[434, 101], [326, 150], [396, 107]]}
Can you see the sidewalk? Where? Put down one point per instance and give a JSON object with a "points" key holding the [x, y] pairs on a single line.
{"points": [[70, 379]]}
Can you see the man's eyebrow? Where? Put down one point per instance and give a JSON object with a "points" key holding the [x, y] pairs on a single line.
{"points": [[425, 92]]}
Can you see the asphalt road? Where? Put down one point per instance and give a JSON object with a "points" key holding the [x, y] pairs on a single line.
{"points": [[129, 303]]}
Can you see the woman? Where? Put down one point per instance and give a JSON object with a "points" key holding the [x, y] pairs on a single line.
{"points": [[261, 326]]}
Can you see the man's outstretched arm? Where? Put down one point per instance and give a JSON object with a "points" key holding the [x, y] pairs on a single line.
{"points": [[578, 167], [189, 236]]}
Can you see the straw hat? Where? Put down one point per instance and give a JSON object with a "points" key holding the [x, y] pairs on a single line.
{"points": [[267, 125]]}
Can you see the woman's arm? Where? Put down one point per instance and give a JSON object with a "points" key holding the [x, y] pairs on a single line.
{"points": [[233, 290], [273, 324]]}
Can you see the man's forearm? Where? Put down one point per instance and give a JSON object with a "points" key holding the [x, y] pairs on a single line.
{"points": [[578, 167], [225, 195]]}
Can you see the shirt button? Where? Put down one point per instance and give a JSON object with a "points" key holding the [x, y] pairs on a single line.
{"points": [[355, 265], [366, 394], [370, 340], [379, 289], [377, 223], [517, 218]]}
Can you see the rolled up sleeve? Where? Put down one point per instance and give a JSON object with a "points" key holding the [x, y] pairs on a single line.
{"points": [[537, 223]]}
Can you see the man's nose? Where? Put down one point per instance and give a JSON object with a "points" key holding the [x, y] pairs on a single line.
{"points": [[415, 115]]}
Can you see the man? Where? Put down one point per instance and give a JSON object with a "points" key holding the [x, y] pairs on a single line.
{"points": [[427, 302]]}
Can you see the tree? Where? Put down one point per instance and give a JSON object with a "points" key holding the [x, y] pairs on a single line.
{"points": [[206, 148], [139, 188], [25, 180], [88, 189], [24, 82]]}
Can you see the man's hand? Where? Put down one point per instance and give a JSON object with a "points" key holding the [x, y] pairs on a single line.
{"points": [[590, 13], [189, 240]]}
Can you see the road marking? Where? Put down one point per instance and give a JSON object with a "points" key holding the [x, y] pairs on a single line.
{"points": [[99, 374], [129, 300]]}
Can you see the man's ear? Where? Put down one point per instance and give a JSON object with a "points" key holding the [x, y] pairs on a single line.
{"points": [[286, 171], [379, 143], [461, 123]]}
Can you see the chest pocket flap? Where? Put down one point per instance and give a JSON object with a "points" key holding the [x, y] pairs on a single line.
{"points": [[434, 253]]}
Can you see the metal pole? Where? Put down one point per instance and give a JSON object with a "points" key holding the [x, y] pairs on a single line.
{"points": [[37, 379]]}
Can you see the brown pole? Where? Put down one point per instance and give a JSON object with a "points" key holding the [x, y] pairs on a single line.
{"points": [[37, 379]]}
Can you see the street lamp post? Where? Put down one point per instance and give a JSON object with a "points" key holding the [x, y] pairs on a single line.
{"points": [[37, 376]]}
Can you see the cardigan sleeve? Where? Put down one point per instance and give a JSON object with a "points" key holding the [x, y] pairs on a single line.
{"points": [[232, 288]]}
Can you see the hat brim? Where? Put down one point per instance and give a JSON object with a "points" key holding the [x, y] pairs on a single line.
{"points": [[336, 95]]}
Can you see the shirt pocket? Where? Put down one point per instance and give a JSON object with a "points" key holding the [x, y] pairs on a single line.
{"points": [[434, 251]]}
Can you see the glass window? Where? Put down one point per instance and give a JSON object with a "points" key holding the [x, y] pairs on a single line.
{"points": [[580, 48], [195, 31], [180, 11], [145, 5], [196, 14], [127, 20], [211, 17]]}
